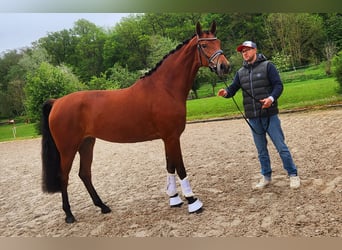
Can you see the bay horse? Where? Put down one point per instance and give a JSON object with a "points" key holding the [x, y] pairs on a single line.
{"points": [[154, 107]]}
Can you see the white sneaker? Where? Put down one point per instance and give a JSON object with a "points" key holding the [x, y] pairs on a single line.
{"points": [[294, 181], [263, 183]]}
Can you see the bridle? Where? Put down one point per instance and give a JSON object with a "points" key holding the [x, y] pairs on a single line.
{"points": [[210, 59]]}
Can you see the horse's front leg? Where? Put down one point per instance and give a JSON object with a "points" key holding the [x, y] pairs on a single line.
{"points": [[171, 190], [174, 162]]}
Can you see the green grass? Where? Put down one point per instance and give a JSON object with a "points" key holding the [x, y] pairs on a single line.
{"points": [[303, 74], [310, 93], [23, 131], [295, 95]]}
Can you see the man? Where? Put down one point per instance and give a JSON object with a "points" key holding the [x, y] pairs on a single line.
{"points": [[262, 86]]}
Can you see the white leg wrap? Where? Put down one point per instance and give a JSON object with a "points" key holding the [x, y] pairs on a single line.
{"points": [[171, 188], [186, 189], [195, 206]]}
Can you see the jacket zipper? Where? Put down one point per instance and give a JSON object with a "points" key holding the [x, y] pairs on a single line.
{"points": [[252, 91]]}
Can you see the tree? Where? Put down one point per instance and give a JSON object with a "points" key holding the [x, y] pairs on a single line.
{"points": [[298, 35], [337, 69], [234, 28], [80, 47], [281, 61], [47, 82], [16, 98], [160, 47], [175, 26], [333, 28], [330, 51], [32, 60], [101, 83], [10, 77], [116, 77], [60, 46], [90, 41], [7, 61], [204, 75], [121, 77], [131, 45]]}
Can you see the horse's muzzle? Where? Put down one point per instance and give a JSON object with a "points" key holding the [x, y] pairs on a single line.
{"points": [[223, 66]]}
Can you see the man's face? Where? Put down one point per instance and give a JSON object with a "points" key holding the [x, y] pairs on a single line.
{"points": [[248, 54]]}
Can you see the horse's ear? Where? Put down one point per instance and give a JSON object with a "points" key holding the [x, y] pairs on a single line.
{"points": [[198, 28], [213, 27]]}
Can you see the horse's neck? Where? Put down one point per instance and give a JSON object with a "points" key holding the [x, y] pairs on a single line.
{"points": [[180, 69]]}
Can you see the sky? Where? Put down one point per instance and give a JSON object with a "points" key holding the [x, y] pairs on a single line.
{"points": [[19, 30]]}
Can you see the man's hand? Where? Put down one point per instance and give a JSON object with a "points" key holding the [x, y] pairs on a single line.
{"points": [[222, 92], [266, 103]]}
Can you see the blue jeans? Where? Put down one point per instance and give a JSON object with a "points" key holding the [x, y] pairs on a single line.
{"points": [[276, 134]]}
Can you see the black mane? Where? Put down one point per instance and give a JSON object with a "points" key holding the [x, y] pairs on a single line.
{"points": [[170, 53]]}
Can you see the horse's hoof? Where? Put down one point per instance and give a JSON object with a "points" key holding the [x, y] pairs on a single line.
{"points": [[197, 211], [176, 201], [177, 205], [195, 207], [70, 219], [105, 210]]}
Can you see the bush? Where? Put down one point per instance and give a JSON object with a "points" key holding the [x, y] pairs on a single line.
{"points": [[337, 69], [48, 82], [281, 61]]}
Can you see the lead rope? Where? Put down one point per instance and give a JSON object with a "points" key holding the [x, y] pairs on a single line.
{"points": [[243, 115]]}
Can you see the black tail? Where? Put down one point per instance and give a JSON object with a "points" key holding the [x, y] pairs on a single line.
{"points": [[50, 154]]}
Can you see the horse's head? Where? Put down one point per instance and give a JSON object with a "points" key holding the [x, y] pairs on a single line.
{"points": [[209, 49]]}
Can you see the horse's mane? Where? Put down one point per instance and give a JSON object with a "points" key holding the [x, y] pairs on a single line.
{"points": [[170, 53]]}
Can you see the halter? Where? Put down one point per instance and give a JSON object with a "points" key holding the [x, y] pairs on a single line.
{"points": [[211, 64]]}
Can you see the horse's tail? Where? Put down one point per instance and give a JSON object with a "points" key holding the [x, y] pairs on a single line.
{"points": [[50, 154]]}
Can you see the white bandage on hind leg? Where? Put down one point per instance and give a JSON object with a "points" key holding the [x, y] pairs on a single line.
{"points": [[186, 189], [171, 187]]}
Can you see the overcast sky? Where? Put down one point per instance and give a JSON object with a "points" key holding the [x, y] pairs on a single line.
{"points": [[18, 30]]}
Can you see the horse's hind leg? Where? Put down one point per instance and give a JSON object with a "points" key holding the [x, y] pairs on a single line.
{"points": [[86, 158], [66, 163]]}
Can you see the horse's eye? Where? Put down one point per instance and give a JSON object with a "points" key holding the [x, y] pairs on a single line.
{"points": [[203, 46]]}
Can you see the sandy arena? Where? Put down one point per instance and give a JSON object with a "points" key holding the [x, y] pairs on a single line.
{"points": [[222, 166]]}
